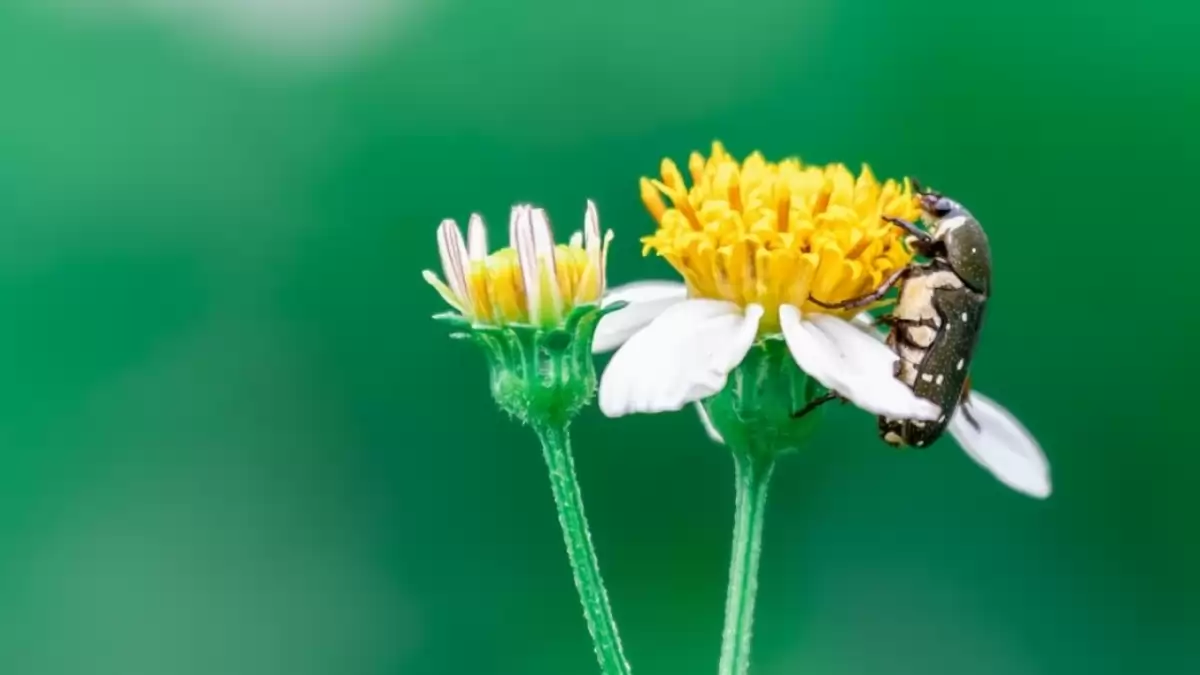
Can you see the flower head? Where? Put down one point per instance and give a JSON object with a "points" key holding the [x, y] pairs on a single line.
{"points": [[533, 281], [776, 234], [533, 307], [755, 242]]}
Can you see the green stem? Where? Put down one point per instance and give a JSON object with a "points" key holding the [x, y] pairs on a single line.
{"points": [[556, 448], [752, 476]]}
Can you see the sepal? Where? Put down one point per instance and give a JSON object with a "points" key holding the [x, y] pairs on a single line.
{"points": [[543, 375], [756, 411]]}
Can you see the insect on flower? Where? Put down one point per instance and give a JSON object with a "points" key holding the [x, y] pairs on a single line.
{"points": [[768, 251], [935, 325]]}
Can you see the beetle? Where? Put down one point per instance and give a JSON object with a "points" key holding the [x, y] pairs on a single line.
{"points": [[935, 325]]}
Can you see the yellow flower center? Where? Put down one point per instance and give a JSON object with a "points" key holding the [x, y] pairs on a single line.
{"points": [[777, 233], [498, 293]]}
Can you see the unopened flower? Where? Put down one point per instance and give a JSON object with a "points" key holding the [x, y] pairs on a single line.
{"points": [[532, 282], [533, 306], [755, 241]]}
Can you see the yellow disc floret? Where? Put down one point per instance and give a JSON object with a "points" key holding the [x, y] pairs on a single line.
{"points": [[533, 281], [777, 233], [498, 294]]}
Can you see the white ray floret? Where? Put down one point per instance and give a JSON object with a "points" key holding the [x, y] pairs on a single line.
{"points": [[647, 300], [838, 355], [682, 356], [1000, 444], [674, 351], [477, 238]]}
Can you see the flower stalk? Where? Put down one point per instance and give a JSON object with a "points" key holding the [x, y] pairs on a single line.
{"points": [[752, 476], [543, 377], [756, 414], [556, 448]]}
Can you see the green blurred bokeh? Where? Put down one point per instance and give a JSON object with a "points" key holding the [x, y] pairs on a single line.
{"points": [[232, 442]]}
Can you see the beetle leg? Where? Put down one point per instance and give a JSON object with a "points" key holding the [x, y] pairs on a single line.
{"points": [[874, 296], [966, 411], [889, 320], [909, 227], [816, 403], [963, 400]]}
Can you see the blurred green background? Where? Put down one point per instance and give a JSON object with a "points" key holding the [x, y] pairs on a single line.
{"points": [[232, 441]]}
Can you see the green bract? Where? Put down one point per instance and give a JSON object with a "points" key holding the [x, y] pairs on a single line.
{"points": [[543, 375], [755, 412]]}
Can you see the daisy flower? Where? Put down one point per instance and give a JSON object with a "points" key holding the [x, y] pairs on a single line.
{"points": [[754, 241], [822, 343], [742, 338]]}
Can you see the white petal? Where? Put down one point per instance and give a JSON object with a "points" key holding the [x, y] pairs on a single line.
{"points": [[643, 291], [874, 385], [684, 355], [706, 421], [453, 253], [846, 360], [543, 242], [608, 237], [1002, 445], [810, 348], [514, 217], [591, 240], [647, 299], [521, 230], [576, 240], [477, 242]]}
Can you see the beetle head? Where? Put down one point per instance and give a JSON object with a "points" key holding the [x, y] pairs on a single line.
{"points": [[934, 205]]}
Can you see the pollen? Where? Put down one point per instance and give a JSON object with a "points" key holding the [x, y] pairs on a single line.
{"points": [[777, 233], [533, 281]]}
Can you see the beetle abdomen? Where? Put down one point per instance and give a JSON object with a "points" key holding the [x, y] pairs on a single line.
{"points": [[934, 329]]}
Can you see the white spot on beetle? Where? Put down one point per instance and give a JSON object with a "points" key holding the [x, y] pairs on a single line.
{"points": [[974, 250], [919, 424], [920, 444], [965, 317], [940, 378], [959, 365], [927, 377], [941, 419]]}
